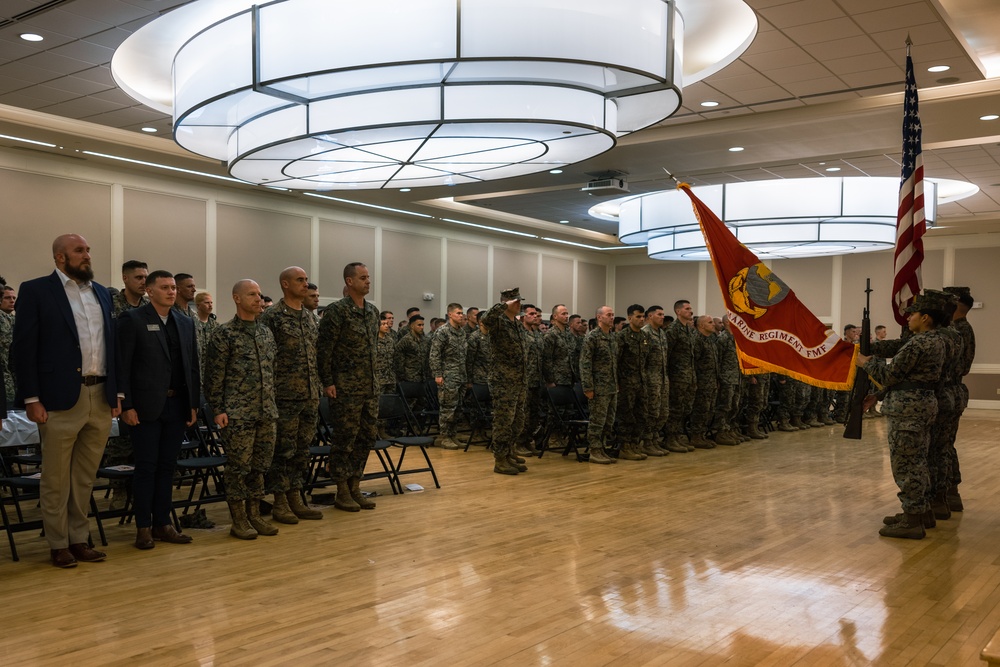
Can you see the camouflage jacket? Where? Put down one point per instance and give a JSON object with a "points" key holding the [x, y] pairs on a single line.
{"points": [[448, 353], [296, 376], [6, 338], [411, 357], [729, 363], [346, 345], [633, 354], [706, 359], [656, 359], [680, 352], [508, 346], [120, 304], [599, 362], [969, 348], [533, 342], [558, 348], [203, 333], [239, 371], [574, 355], [477, 358], [918, 362], [385, 371]]}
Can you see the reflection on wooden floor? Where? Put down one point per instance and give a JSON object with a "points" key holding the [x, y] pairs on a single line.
{"points": [[762, 554]]}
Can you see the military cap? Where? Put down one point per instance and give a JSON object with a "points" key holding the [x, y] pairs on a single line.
{"points": [[513, 294], [930, 300], [963, 294]]}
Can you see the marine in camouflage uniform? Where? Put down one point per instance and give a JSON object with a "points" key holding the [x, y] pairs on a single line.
{"points": [[533, 342], [792, 398], [961, 324], [657, 384], [412, 351], [507, 379], [239, 383], [448, 353], [755, 392], [6, 338], [681, 340], [911, 405], [119, 449], [632, 356], [599, 377], [706, 367], [817, 410], [296, 393], [385, 355], [346, 348], [558, 350], [727, 403], [477, 358], [203, 333]]}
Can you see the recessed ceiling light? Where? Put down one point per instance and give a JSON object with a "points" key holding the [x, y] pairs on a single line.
{"points": [[404, 189], [736, 149], [833, 168], [149, 129], [555, 171], [709, 103], [564, 222], [31, 37], [991, 116], [939, 68]]}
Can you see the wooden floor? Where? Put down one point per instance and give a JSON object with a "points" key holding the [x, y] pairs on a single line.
{"points": [[762, 554]]}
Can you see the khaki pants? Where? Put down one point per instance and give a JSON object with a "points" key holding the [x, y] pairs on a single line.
{"points": [[72, 445]]}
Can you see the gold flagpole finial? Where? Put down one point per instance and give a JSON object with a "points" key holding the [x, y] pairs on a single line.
{"points": [[672, 177], [909, 43]]}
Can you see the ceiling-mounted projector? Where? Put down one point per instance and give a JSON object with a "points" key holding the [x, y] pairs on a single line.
{"points": [[606, 187]]}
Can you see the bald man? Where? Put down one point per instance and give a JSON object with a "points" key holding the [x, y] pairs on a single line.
{"points": [[64, 362], [239, 385], [296, 393]]}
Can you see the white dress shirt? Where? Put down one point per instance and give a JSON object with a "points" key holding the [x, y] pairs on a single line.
{"points": [[89, 324]]}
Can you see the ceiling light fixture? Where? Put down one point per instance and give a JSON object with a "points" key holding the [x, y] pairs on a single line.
{"points": [[709, 103], [939, 68], [436, 92], [31, 37], [150, 130], [780, 218], [27, 141], [736, 149], [367, 205], [492, 229], [555, 171], [991, 116], [832, 169], [584, 245]]}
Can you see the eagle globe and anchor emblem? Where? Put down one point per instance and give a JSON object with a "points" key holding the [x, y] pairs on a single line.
{"points": [[756, 288]]}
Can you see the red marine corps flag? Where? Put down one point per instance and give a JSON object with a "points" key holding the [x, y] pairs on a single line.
{"points": [[773, 330]]}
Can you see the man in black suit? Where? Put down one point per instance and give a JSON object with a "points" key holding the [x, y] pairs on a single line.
{"points": [[64, 363], [159, 380]]}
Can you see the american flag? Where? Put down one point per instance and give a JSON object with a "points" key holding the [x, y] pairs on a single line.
{"points": [[910, 223]]}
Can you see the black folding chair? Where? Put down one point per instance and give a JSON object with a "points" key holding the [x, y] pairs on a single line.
{"points": [[565, 417], [392, 406], [480, 412], [414, 396], [205, 470], [320, 453]]}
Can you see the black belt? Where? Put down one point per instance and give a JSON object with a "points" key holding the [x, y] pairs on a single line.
{"points": [[902, 386], [91, 380]]}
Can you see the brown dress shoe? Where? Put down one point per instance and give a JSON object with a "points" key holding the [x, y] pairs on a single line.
{"points": [[144, 538], [85, 554], [169, 534], [62, 558]]}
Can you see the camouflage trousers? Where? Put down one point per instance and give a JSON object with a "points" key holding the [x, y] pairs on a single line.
{"points": [[631, 413], [942, 458], [353, 430], [843, 399], [508, 415], [727, 407], [818, 403], [296, 431], [681, 402], [532, 415], [754, 397], [703, 407], [792, 398], [908, 457], [602, 419], [119, 453], [657, 402], [249, 448], [448, 398]]}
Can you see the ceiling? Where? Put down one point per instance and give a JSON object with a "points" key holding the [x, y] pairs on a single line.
{"points": [[819, 88]]}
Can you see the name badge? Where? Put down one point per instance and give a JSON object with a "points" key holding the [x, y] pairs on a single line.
{"points": [[152, 327]]}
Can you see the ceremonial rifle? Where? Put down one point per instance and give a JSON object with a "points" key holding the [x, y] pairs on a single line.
{"points": [[862, 383]]}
